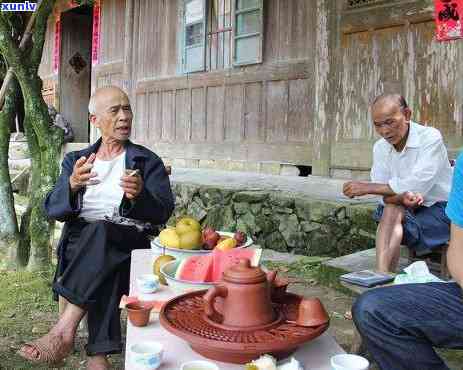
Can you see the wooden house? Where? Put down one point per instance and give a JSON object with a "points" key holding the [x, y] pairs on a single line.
{"points": [[255, 85]]}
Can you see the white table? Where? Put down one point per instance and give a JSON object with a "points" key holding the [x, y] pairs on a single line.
{"points": [[314, 355]]}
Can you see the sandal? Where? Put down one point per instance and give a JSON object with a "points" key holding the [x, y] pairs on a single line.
{"points": [[50, 349]]}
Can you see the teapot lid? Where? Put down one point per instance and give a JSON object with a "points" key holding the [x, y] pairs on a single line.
{"points": [[244, 273]]}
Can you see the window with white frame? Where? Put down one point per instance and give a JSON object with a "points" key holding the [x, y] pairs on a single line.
{"points": [[219, 34]]}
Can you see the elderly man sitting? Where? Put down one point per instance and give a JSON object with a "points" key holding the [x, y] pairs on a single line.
{"points": [[109, 195], [401, 325], [412, 172]]}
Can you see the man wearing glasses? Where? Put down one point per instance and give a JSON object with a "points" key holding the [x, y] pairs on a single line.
{"points": [[412, 173]]}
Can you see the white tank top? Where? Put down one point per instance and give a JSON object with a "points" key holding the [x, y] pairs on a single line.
{"points": [[101, 199]]}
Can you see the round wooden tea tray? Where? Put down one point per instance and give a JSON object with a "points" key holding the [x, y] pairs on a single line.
{"points": [[184, 317]]}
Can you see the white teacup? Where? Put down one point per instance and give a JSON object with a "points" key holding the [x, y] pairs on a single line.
{"points": [[349, 362], [147, 355], [148, 283], [199, 365]]}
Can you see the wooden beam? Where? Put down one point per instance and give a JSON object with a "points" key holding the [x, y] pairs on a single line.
{"points": [[387, 15]]}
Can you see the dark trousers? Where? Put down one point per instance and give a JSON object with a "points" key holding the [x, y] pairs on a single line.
{"points": [[401, 324], [96, 275]]}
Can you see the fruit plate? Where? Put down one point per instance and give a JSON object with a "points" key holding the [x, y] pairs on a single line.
{"points": [[159, 249], [177, 285]]}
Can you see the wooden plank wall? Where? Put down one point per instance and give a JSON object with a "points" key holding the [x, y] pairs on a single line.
{"points": [[46, 65], [256, 113], [109, 71], [112, 31], [396, 57]]}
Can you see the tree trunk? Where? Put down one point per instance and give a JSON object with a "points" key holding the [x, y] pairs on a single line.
{"points": [[9, 234], [44, 140], [45, 147]]}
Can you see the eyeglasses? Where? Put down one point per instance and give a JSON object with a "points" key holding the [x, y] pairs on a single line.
{"points": [[387, 124]]}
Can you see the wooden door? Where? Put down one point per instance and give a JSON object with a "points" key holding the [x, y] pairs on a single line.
{"points": [[75, 69]]}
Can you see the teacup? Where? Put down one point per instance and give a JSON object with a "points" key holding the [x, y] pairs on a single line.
{"points": [[148, 283], [349, 362], [199, 365], [311, 313], [139, 315], [147, 355]]}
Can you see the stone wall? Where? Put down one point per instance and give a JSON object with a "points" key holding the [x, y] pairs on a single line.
{"points": [[280, 221]]}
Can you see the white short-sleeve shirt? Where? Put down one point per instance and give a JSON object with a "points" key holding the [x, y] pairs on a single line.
{"points": [[422, 166], [101, 199]]}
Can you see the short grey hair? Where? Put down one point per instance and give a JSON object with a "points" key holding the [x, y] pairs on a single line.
{"points": [[388, 97], [101, 90]]}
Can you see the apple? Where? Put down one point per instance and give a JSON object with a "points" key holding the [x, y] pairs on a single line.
{"points": [[191, 240], [210, 240], [207, 231], [240, 237]]}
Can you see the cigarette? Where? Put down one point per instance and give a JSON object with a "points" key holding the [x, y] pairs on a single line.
{"points": [[133, 173]]}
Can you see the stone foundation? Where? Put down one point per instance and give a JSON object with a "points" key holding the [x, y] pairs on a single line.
{"points": [[280, 221]]}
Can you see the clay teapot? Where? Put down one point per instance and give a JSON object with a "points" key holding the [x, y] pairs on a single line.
{"points": [[246, 297]]}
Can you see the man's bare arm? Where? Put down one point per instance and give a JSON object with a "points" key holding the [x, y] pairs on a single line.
{"points": [[455, 254], [358, 188]]}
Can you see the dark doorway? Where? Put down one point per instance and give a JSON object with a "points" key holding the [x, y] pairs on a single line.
{"points": [[75, 69]]}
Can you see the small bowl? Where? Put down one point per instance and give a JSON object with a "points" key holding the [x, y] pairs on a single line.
{"points": [[349, 362], [139, 315], [148, 283], [199, 365], [147, 355]]}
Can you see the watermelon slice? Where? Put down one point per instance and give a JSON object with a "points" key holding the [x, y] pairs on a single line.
{"points": [[195, 268], [222, 260]]}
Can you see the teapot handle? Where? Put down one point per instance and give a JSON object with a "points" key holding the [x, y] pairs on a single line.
{"points": [[210, 296]]}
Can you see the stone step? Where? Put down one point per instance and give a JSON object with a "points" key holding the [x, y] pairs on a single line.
{"points": [[19, 164], [332, 269], [20, 179]]}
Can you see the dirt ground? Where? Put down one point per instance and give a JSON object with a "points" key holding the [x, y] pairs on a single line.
{"points": [[27, 312]]}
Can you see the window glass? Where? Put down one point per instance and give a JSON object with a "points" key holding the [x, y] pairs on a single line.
{"points": [[194, 58], [248, 49], [194, 34], [248, 23], [246, 4], [194, 11]]}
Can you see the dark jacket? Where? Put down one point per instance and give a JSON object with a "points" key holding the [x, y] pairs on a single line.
{"points": [[154, 204]]}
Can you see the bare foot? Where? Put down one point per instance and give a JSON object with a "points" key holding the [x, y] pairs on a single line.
{"points": [[98, 362], [52, 348]]}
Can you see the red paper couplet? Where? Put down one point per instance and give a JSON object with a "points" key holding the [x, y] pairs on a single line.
{"points": [[96, 32], [449, 15], [57, 44]]}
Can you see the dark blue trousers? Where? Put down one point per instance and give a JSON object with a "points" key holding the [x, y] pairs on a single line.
{"points": [[401, 324], [96, 275]]}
